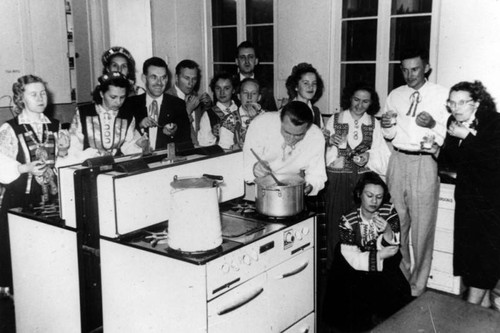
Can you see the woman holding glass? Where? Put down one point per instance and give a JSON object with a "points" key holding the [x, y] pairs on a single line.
{"points": [[29, 146], [365, 284], [354, 146], [472, 148]]}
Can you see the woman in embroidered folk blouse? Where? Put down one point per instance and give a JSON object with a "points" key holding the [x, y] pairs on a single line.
{"points": [[365, 284], [103, 128], [354, 146], [29, 144]]}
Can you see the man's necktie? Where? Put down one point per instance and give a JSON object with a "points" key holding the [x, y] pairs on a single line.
{"points": [[153, 110], [415, 99]]}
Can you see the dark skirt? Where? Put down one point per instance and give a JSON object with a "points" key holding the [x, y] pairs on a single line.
{"points": [[476, 241], [356, 301], [338, 201]]}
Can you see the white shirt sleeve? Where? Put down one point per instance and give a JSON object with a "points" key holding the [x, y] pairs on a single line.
{"points": [[8, 153], [315, 174], [331, 151], [389, 133], [226, 138], [205, 135]]}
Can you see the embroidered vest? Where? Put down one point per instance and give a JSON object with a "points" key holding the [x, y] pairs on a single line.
{"points": [[348, 153], [97, 135], [28, 152]]}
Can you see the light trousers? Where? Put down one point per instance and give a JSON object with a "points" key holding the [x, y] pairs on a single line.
{"points": [[414, 187]]}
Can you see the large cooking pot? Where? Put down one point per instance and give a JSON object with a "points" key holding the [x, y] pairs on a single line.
{"points": [[280, 201], [194, 224]]}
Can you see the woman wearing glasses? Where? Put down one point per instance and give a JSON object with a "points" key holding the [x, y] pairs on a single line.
{"points": [[472, 148]]}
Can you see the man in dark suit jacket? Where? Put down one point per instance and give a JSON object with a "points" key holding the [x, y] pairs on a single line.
{"points": [[162, 116], [246, 60], [186, 86]]}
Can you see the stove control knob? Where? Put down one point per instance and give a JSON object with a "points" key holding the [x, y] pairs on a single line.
{"points": [[298, 234], [225, 268], [305, 230], [235, 266], [254, 255], [289, 237], [246, 259]]}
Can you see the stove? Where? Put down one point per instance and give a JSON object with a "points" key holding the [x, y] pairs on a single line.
{"points": [[241, 224], [263, 269]]}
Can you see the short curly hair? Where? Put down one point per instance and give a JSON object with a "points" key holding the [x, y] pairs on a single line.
{"points": [[478, 93], [18, 89], [292, 82], [350, 90]]}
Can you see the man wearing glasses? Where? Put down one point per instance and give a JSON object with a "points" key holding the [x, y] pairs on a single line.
{"points": [[414, 119], [246, 60]]}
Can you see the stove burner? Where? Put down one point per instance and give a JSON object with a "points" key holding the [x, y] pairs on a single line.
{"points": [[194, 254], [244, 208]]}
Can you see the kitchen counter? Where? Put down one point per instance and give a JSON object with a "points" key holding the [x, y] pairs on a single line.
{"points": [[438, 312]]}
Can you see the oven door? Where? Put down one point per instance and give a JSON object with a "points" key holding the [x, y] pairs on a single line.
{"points": [[291, 290], [242, 309]]}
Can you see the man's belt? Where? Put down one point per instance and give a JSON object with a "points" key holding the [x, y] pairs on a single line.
{"points": [[409, 152]]}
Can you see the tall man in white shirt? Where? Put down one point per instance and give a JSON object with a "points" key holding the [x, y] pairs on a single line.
{"points": [[247, 60], [186, 86], [289, 144], [414, 119]]}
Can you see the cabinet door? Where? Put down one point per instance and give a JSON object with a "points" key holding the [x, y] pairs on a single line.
{"points": [[242, 309], [306, 325], [291, 286]]}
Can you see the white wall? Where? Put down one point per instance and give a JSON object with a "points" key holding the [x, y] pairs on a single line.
{"points": [[469, 43], [179, 32], [130, 27], [304, 31]]}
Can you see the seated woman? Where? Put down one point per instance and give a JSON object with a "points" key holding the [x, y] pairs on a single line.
{"points": [[119, 59], [103, 128], [365, 284], [29, 144]]}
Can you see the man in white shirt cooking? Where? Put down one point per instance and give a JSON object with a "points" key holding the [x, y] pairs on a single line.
{"points": [[289, 143]]}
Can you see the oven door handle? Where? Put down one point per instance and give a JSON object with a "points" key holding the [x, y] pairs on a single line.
{"points": [[294, 272], [239, 304]]}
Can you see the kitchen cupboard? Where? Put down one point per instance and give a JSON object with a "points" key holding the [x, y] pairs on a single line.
{"points": [[35, 38], [441, 275]]}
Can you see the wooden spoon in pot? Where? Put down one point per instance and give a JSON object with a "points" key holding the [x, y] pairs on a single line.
{"points": [[279, 183]]}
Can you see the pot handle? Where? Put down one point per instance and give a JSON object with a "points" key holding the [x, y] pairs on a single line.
{"points": [[272, 189]]}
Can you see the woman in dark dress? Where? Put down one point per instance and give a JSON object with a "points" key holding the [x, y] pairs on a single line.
{"points": [[29, 144], [365, 284], [472, 148]]}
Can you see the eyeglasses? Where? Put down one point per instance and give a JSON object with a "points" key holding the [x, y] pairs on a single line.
{"points": [[461, 103]]}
